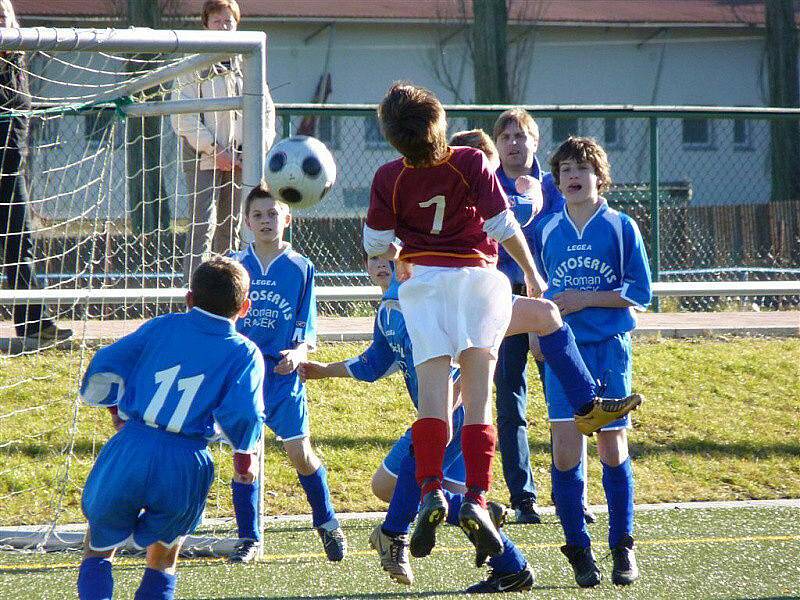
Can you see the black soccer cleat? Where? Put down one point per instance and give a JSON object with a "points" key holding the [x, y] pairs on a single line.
{"points": [[587, 574], [432, 513], [588, 516], [498, 583], [245, 552], [527, 512], [625, 570], [333, 542], [477, 523]]}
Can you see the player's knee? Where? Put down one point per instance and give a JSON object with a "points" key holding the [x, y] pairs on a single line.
{"points": [[302, 456], [612, 447], [244, 468], [382, 485], [549, 317]]}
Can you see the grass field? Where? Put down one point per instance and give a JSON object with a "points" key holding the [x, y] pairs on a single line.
{"points": [[682, 554], [720, 423]]}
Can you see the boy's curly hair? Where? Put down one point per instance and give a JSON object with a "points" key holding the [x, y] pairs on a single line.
{"points": [[583, 149]]}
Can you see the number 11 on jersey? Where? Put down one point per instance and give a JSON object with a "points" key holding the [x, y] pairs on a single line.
{"points": [[438, 215]]}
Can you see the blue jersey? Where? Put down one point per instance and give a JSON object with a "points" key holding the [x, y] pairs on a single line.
{"points": [[390, 350], [283, 310], [188, 373], [552, 202], [607, 255]]}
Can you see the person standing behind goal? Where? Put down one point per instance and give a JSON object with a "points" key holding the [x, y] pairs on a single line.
{"points": [[31, 320], [211, 148]]}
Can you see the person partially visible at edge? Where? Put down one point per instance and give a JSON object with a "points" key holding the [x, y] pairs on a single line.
{"points": [[31, 320]]}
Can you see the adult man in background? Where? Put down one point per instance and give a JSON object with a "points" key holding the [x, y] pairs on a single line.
{"points": [[211, 148], [516, 136]]}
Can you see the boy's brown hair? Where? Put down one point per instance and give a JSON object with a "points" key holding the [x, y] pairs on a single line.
{"points": [[220, 286], [521, 117], [260, 191], [583, 149], [476, 138], [211, 6], [413, 121]]}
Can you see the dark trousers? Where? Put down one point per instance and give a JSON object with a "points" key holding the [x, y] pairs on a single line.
{"points": [[16, 243], [512, 424]]}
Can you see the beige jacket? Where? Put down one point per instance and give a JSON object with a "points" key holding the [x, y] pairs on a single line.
{"points": [[209, 131]]}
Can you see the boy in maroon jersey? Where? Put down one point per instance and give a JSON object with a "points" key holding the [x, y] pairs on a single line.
{"points": [[448, 209]]}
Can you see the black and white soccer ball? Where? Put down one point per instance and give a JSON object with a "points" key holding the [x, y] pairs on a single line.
{"points": [[300, 170]]}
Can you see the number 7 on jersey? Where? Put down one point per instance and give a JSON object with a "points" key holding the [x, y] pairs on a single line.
{"points": [[438, 215]]}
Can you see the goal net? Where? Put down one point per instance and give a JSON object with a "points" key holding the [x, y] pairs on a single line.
{"points": [[101, 245]]}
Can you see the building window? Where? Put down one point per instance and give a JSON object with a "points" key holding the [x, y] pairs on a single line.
{"points": [[373, 135], [696, 134], [612, 133], [742, 134], [328, 131], [563, 128]]}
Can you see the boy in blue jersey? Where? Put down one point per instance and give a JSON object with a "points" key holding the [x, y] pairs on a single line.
{"points": [[598, 273], [179, 381], [394, 480], [282, 321]]}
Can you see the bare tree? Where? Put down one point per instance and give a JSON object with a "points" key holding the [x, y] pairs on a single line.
{"points": [[784, 90], [500, 56], [147, 194]]}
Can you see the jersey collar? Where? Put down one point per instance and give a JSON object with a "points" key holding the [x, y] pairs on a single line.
{"points": [[265, 268], [600, 210], [216, 323]]}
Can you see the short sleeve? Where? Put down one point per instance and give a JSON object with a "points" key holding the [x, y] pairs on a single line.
{"points": [[636, 286], [490, 199]]}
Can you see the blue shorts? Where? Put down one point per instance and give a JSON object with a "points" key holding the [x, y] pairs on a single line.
{"points": [[453, 464], [285, 404], [149, 484], [610, 363]]}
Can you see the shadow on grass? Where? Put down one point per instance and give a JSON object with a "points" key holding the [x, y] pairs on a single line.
{"points": [[693, 445], [682, 446], [384, 595]]}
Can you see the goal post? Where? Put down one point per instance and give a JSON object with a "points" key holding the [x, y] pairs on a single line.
{"points": [[86, 88]]}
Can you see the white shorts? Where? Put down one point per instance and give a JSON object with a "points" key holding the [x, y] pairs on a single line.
{"points": [[450, 309]]}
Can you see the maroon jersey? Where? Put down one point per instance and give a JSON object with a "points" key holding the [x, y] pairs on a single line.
{"points": [[438, 212]]}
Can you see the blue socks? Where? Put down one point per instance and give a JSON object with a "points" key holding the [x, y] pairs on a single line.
{"points": [[156, 585], [95, 581], [318, 495], [568, 497], [404, 505], [245, 507], [562, 356], [511, 560], [618, 486]]}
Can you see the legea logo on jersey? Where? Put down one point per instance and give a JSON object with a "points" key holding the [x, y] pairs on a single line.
{"points": [[563, 275]]}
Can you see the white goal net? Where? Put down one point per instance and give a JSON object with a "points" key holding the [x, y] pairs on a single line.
{"points": [[94, 220]]}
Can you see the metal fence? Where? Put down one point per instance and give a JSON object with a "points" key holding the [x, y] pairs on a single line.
{"points": [[697, 181]]}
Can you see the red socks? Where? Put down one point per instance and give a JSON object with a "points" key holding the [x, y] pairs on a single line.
{"points": [[478, 445], [429, 437]]}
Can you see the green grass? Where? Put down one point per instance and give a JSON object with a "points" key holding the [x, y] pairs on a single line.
{"points": [[720, 423], [682, 554]]}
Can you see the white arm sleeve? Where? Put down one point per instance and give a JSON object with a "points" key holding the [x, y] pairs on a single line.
{"points": [[377, 242], [501, 226]]}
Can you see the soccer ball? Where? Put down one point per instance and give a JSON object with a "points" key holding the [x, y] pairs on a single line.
{"points": [[300, 170]]}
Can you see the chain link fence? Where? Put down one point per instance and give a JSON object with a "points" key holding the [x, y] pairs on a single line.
{"points": [[698, 183], [703, 178]]}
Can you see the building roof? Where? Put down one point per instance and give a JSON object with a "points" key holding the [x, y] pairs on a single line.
{"points": [[724, 13]]}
